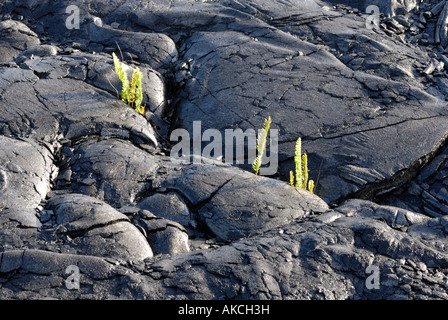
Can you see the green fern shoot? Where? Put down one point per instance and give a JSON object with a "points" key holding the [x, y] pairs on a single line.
{"points": [[131, 93], [261, 144], [301, 178]]}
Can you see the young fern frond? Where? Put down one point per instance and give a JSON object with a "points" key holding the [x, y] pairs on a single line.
{"points": [[301, 169], [131, 93], [311, 186], [139, 92], [256, 165], [304, 171], [125, 90], [261, 145], [131, 98], [291, 178], [298, 162]]}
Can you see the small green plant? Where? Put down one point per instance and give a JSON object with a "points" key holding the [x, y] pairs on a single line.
{"points": [[131, 93], [261, 144], [300, 178]]}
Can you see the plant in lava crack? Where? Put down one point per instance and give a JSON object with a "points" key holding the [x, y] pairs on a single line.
{"points": [[301, 169], [131, 92], [261, 144]]}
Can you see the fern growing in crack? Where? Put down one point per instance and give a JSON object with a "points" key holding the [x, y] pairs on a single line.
{"points": [[261, 145], [131, 93], [300, 178], [135, 92]]}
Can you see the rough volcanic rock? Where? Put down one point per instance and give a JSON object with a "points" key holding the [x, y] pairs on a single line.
{"points": [[165, 236], [310, 91], [51, 108], [94, 228], [159, 50], [111, 169], [168, 205], [388, 7], [26, 171], [15, 37], [237, 203], [93, 207]]}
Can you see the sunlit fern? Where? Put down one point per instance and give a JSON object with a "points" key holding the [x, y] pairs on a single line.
{"points": [[131, 93], [301, 177], [261, 145]]}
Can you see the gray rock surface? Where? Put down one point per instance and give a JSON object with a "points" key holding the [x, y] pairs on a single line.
{"points": [[87, 184], [94, 228], [15, 37], [26, 172]]}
